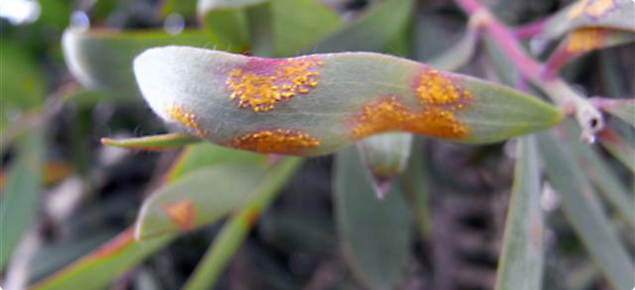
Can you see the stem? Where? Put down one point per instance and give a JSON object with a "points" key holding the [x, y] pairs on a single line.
{"points": [[587, 115]]}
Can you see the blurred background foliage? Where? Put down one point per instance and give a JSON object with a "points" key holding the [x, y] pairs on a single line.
{"points": [[71, 208]]}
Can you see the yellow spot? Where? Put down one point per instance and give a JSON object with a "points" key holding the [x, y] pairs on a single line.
{"points": [[435, 89], [598, 8], [181, 213], [186, 119], [280, 141], [270, 82], [585, 39], [592, 8], [388, 114]]}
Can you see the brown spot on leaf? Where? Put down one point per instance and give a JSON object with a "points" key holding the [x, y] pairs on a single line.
{"points": [[182, 214], [279, 141]]}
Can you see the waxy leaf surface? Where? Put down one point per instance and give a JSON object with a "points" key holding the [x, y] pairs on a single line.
{"points": [[316, 104]]}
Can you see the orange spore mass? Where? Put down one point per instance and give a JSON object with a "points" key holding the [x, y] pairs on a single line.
{"points": [[182, 214], [263, 83], [586, 39], [279, 141], [186, 119]]}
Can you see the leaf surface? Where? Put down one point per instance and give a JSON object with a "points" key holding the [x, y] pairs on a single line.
{"points": [[316, 104], [375, 233]]}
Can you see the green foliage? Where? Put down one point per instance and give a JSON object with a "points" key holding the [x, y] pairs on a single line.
{"points": [[346, 86]]}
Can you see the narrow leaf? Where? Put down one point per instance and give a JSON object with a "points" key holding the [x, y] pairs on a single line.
{"points": [[103, 60], [208, 155], [226, 23], [520, 266], [316, 104], [299, 24], [96, 270], [240, 223], [582, 41], [414, 184], [19, 198], [459, 54], [372, 31], [197, 199], [621, 108], [585, 213], [375, 234], [158, 142], [612, 14], [602, 175], [618, 147]]}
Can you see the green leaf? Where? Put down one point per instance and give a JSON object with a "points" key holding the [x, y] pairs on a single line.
{"points": [[157, 142], [459, 54], [103, 60], [371, 31], [207, 155], [613, 14], [520, 264], [236, 229], [197, 199], [375, 233], [581, 41], [621, 108], [585, 213], [602, 175], [96, 270], [618, 147], [19, 199], [22, 82], [316, 104], [187, 8], [414, 184], [226, 23], [298, 24], [385, 156]]}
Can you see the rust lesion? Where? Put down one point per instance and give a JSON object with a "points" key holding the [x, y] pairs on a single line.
{"points": [[262, 83], [592, 8], [182, 214], [586, 39], [389, 114], [187, 119], [278, 141], [434, 88]]}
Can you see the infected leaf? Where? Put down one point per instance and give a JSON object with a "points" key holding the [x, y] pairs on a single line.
{"points": [[315, 104]]}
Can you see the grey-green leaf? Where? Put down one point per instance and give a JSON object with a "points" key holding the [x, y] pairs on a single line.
{"points": [[520, 266], [19, 199], [585, 213], [375, 233]]}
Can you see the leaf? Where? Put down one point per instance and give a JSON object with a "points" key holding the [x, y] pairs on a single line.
{"points": [[602, 175], [225, 22], [584, 212], [102, 60], [621, 108], [207, 155], [22, 88], [618, 147], [520, 264], [316, 104], [236, 229], [459, 54], [197, 199], [95, 270], [375, 234], [385, 156], [298, 24], [19, 199], [370, 32], [186, 8], [414, 184], [157, 142], [581, 41], [612, 14]]}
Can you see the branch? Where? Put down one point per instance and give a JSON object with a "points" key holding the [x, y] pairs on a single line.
{"points": [[587, 115]]}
